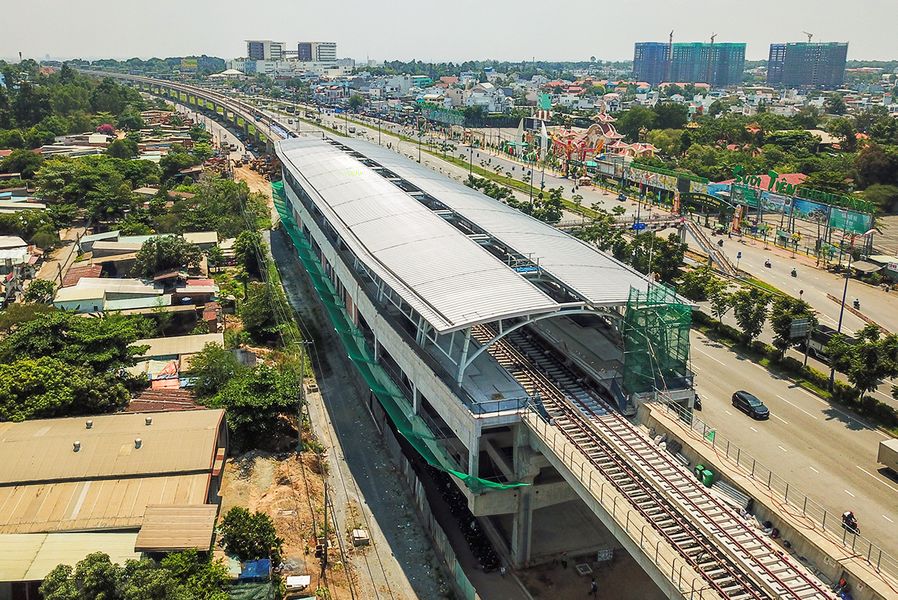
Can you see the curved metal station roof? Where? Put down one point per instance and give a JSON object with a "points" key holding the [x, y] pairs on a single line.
{"points": [[449, 278]]}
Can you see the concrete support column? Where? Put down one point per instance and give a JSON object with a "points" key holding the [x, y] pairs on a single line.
{"points": [[526, 470], [416, 398]]}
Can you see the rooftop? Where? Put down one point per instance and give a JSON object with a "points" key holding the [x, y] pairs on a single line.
{"points": [[179, 344], [30, 557], [168, 528], [42, 450], [444, 274]]}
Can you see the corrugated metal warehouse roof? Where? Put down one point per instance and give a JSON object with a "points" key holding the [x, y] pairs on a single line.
{"points": [[445, 276], [42, 450], [177, 527], [179, 344], [30, 557], [113, 503]]}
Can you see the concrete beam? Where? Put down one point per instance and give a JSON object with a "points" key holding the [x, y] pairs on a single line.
{"points": [[503, 502]]}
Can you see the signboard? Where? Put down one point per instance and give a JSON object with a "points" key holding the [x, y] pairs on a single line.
{"points": [[439, 114], [740, 194], [799, 328], [849, 220], [189, 65], [807, 210], [655, 180], [775, 203], [698, 187], [639, 226]]}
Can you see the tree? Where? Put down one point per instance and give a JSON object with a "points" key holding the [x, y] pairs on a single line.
{"points": [[255, 399], [750, 310], [698, 284], [130, 119], [669, 115], [259, 312], [46, 388], [632, 121], [212, 368], [883, 196], [58, 584], [249, 250], [176, 160], [250, 536], [876, 165], [866, 363], [356, 101], [25, 162], [784, 311], [165, 253], [147, 580], [40, 290], [843, 128], [198, 577], [721, 301], [103, 344], [835, 105], [98, 577], [123, 148]]}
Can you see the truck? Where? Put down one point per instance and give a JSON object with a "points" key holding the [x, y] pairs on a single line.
{"points": [[888, 454]]}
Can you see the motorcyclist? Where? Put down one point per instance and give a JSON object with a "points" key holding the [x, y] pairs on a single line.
{"points": [[849, 522], [767, 263], [857, 304], [794, 273]]}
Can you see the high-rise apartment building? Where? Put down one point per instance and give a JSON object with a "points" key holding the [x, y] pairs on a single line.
{"points": [[719, 64], [304, 52], [807, 64], [650, 62], [265, 50]]}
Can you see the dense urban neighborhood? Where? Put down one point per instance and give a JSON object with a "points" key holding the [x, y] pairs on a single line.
{"points": [[290, 324]]}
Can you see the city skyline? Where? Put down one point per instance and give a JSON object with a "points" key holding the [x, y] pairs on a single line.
{"points": [[469, 31]]}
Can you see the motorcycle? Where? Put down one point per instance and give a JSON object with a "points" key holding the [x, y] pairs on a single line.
{"points": [[857, 304], [794, 273], [849, 523], [767, 264]]}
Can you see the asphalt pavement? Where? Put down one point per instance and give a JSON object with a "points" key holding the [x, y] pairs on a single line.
{"points": [[821, 449]]}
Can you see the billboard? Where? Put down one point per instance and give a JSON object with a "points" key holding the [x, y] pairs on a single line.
{"points": [[188, 65], [849, 220], [775, 203], [651, 179], [807, 210], [740, 194]]}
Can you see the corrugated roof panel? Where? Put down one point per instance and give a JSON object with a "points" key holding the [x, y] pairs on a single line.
{"points": [[432, 265], [599, 278]]}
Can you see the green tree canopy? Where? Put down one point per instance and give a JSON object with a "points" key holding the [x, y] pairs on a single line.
{"points": [[164, 253], [866, 363], [783, 312], [250, 536], [750, 310], [103, 344], [213, 368]]}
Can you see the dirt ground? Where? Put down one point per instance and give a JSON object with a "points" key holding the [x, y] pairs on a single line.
{"points": [[289, 489], [257, 183], [620, 579]]}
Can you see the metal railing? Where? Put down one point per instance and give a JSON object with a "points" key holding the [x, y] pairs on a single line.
{"points": [[830, 523], [627, 518]]}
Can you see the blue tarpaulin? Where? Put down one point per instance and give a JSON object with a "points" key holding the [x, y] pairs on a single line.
{"points": [[258, 570]]}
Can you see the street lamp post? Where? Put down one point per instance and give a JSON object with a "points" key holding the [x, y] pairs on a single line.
{"points": [[832, 370]]}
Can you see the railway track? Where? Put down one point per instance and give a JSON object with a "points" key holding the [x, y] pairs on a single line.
{"points": [[736, 560]]}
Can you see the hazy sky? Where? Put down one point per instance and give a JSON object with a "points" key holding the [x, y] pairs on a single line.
{"points": [[435, 29]]}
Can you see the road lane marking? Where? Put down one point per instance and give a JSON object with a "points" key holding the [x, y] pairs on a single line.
{"points": [[695, 368], [849, 493], [781, 448], [711, 357], [813, 396], [888, 519], [891, 487], [780, 418], [798, 407], [728, 412], [814, 470], [753, 429]]}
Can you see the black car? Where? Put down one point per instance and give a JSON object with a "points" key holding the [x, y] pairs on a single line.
{"points": [[622, 197], [750, 405]]}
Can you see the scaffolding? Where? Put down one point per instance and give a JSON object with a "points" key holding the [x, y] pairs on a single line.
{"points": [[397, 407], [656, 328]]}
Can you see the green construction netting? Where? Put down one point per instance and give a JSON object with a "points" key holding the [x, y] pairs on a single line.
{"points": [[410, 425], [656, 340]]}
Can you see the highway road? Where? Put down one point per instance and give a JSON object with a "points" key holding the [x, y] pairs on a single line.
{"points": [[819, 448]]}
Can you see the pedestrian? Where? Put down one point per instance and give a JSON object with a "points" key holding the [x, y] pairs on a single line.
{"points": [[564, 560], [593, 588]]}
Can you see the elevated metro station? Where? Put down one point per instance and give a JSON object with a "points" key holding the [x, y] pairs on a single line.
{"points": [[509, 353]]}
